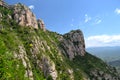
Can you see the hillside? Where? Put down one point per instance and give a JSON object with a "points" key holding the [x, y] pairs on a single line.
{"points": [[30, 52], [115, 63], [108, 54]]}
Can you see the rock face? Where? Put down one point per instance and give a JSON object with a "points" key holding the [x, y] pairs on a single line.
{"points": [[31, 54], [3, 4], [73, 44], [49, 68], [41, 24], [0, 16], [23, 16]]}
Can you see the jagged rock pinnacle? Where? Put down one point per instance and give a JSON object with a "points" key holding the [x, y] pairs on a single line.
{"points": [[41, 24], [3, 4], [23, 16], [73, 44]]}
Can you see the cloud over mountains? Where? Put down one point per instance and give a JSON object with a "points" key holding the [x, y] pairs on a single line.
{"points": [[103, 40]]}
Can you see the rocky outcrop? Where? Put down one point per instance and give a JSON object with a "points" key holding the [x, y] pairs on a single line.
{"points": [[35, 55], [100, 75], [3, 4], [41, 24], [49, 68], [0, 16], [73, 44], [23, 56], [70, 72], [23, 16], [44, 62]]}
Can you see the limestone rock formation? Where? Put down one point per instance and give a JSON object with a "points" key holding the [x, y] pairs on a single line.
{"points": [[49, 68], [0, 16], [31, 54], [73, 44], [23, 16], [41, 24], [23, 56], [3, 4]]}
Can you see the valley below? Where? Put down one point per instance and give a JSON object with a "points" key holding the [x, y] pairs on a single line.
{"points": [[111, 55]]}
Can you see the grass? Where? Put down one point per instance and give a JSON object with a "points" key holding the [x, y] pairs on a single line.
{"points": [[37, 43]]}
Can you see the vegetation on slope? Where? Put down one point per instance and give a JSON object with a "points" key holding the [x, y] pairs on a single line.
{"points": [[23, 49]]}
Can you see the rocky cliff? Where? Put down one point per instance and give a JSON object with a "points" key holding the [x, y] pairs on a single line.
{"points": [[73, 44], [3, 4], [38, 54], [23, 16]]}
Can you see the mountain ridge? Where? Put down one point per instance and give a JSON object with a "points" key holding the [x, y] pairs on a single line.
{"points": [[32, 53], [23, 15]]}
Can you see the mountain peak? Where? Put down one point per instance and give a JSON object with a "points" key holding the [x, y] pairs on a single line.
{"points": [[3, 4], [23, 16], [32, 54], [73, 44]]}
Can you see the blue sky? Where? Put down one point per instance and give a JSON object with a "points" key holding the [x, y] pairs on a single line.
{"points": [[98, 19]]}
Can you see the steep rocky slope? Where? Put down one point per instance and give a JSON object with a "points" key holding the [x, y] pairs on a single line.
{"points": [[31, 53], [73, 44]]}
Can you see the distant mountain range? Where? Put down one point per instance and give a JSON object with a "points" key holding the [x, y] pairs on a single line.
{"points": [[115, 63], [111, 55], [108, 54]]}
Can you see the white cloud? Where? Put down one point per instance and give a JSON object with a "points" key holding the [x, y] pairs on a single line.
{"points": [[117, 11], [31, 7], [98, 21], [87, 18], [103, 40]]}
